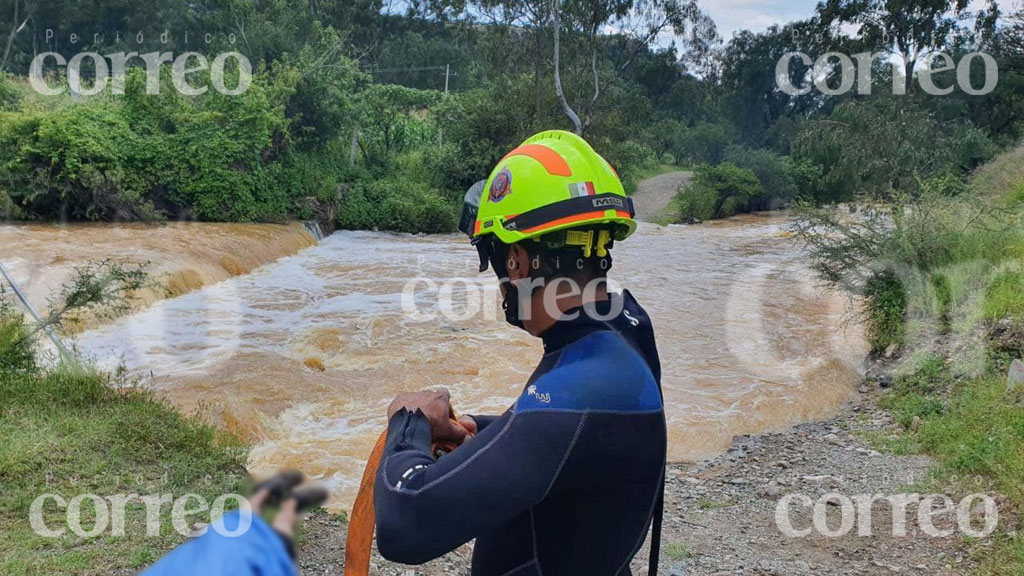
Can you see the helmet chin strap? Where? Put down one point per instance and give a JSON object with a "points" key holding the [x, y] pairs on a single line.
{"points": [[491, 253]]}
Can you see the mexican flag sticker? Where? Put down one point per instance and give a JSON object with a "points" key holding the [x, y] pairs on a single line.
{"points": [[580, 189]]}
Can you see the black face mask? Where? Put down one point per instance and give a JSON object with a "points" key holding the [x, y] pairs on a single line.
{"points": [[496, 254]]}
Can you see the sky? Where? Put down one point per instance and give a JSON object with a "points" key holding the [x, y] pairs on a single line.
{"points": [[757, 15]]}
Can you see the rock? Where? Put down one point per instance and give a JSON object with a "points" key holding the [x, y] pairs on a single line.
{"points": [[1015, 377], [890, 351], [833, 439], [677, 570]]}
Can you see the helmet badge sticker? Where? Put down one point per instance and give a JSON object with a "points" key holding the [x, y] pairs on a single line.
{"points": [[501, 186]]}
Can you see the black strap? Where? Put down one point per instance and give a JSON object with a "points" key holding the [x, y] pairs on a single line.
{"points": [[570, 207], [659, 514]]}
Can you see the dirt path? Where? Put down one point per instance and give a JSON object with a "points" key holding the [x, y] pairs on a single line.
{"points": [[653, 194], [720, 516]]}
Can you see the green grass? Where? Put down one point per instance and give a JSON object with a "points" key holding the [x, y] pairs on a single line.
{"points": [[676, 551], [1005, 296], [72, 430], [974, 428], [1002, 177]]}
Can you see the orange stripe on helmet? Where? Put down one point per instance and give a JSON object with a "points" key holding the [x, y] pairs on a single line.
{"points": [[551, 161]]}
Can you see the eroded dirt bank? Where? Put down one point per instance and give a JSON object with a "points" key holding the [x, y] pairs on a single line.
{"points": [[181, 256]]}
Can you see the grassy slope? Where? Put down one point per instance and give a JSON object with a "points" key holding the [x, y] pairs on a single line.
{"points": [[68, 431], [971, 423]]}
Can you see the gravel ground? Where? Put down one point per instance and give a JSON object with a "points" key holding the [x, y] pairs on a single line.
{"points": [[720, 515], [653, 194]]}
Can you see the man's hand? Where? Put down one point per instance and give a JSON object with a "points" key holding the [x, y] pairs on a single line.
{"points": [[437, 407]]}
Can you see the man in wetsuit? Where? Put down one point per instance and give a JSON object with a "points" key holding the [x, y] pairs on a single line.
{"points": [[568, 480]]}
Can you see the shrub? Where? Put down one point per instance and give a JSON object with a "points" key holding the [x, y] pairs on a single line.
{"points": [[695, 203], [15, 345], [10, 96], [772, 172], [886, 308], [718, 192], [395, 205], [885, 147], [81, 161]]}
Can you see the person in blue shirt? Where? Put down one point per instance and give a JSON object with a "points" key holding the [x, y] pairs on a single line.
{"points": [[261, 549]]}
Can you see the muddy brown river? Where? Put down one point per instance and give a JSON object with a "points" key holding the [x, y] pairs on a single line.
{"points": [[302, 356]]}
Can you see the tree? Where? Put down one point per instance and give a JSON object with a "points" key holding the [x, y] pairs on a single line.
{"points": [[639, 22], [907, 29], [23, 12], [387, 122], [752, 97]]}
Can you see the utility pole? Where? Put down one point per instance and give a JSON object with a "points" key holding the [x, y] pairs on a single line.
{"points": [[440, 130]]}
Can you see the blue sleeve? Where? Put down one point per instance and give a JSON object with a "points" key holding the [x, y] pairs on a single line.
{"points": [[498, 474], [258, 551]]}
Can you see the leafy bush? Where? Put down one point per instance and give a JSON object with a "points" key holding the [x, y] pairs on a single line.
{"points": [[142, 157], [944, 262], [15, 344], [9, 93], [771, 170], [322, 107], [718, 192], [479, 127], [886, 306], [391, 122], [82, 161], [885, 147], [396, 205]]}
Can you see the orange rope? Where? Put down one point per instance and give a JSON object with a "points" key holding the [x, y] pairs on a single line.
{"points": [[359, 545]]}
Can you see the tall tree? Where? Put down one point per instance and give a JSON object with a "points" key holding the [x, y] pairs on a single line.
{"points": [[908, 29], [637, 24], [23, 11]]}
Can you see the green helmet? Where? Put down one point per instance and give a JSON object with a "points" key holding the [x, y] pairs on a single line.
{"points": [[553, 181]]}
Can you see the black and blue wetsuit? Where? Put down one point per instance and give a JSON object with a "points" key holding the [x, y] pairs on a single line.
{"points": [[564, 483]]}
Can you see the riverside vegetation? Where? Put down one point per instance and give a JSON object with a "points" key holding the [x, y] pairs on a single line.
{"points": [[942, 281], [365, 117]]}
